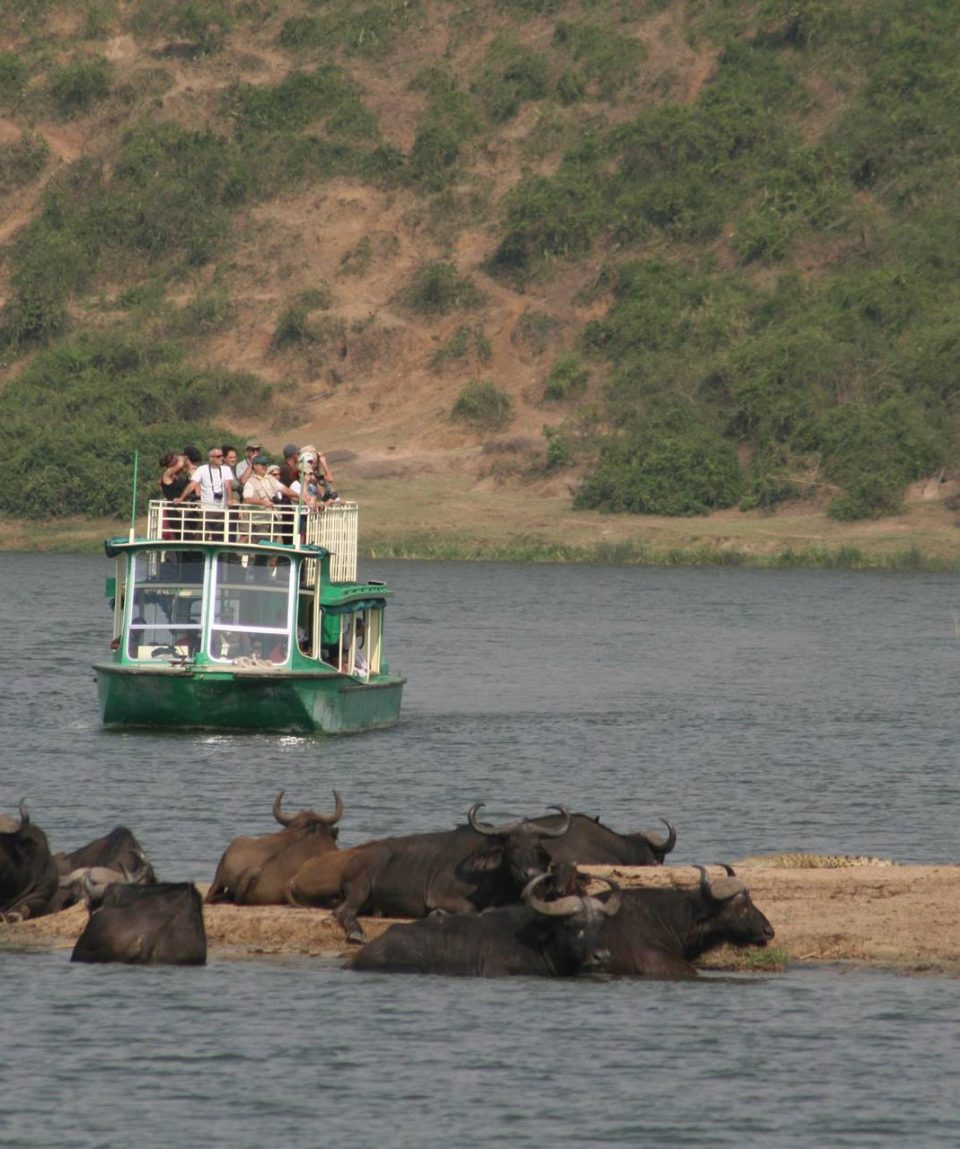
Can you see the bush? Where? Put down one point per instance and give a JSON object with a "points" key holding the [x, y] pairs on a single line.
{"points": [[438, 288], [513, 75], [567, 380], [13, 78], [75, 416], [483, 406], [79, 84], [673, 465], [874, 452]]}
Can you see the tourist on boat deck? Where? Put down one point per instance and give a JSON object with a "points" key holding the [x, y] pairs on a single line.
{"points": [[230, 460], [175, 477], [244, 469], [263, 489], [211, 481], [311, 458], [290, 467]]}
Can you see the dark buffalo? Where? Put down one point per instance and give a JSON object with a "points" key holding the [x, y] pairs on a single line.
{"points": [[589, 843], [460, 871], [116, 857], [160, 924], [659, 932], [256, 871], [28, 873], [551, 938]]}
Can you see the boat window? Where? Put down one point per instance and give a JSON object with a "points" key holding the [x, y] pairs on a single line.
{"points": [[166, 603], [250, 613]]}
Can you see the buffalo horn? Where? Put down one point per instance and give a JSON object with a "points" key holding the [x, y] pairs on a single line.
{"points": [[662, 845], [722, 890], [324, 819], [560, 830], [573, 903]]}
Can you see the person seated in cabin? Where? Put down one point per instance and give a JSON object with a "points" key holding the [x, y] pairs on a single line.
{"points": [[360, 667]]}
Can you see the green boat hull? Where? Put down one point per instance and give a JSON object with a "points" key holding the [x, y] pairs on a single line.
{"points": [[295, 702]]}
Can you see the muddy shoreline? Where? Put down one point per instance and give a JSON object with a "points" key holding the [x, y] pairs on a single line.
{"points": [[887, 916]]}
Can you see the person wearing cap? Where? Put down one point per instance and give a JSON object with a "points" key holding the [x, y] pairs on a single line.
{"points": [[263, 490], [244, 468]]}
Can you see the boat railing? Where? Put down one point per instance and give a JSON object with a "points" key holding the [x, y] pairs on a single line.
{"points": [[333, 527]]}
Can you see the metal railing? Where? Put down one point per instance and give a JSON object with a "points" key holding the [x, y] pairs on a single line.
{"points": [[333, 527]]}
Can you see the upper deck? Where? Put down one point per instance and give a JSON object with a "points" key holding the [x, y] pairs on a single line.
{"points": [[333, 528]]}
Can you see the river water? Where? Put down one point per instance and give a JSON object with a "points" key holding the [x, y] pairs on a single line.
{"points": [[756, 710]]}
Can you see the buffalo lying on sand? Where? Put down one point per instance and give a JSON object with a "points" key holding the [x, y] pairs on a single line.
{"points": [[555, 939], [659, 932], [116, 857], [589, 843], [160, 924], [256, 871], [460, 871], [28, 873]]}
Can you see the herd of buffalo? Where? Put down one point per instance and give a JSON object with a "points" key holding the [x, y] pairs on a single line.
{"points": [[486, 899]]}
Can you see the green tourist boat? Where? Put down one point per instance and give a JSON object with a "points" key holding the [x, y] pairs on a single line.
{"points": [[246, 618]]}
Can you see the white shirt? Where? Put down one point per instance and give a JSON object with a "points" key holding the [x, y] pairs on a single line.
{"points": [[214, 484]]}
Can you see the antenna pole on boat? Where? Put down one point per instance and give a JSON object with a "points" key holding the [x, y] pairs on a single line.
{"points": [[133, 501]]}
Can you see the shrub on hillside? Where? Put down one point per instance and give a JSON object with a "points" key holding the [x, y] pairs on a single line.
{"points": [[437, 288], [672, 465], [76, 415], [874, 452], [79, 84], [482, 405], [568, 378]]}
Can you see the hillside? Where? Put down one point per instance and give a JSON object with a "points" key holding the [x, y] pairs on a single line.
{"points": [[417, 235]]}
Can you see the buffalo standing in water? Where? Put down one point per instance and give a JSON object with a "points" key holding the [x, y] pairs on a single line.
{"points": [[160, 924], [28, 874]]}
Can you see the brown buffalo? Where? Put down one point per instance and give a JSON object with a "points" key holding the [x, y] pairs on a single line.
{"points": [[255, 871]]}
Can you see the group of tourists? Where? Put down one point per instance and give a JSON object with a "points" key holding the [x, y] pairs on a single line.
{"points": [[226, 480]]}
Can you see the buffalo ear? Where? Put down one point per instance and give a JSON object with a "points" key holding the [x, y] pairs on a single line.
{"points": [[487, 860]]}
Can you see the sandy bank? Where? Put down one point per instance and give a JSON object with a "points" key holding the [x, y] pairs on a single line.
{"points": [[903, 917]]}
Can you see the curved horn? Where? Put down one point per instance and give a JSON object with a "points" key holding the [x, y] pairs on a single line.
{"points": [[561, 908], [24, 818], [486, 827], [334, 818], [278, 814], [731, 872], [612, 904], [561, 830], [662, 845], [722, 890]]}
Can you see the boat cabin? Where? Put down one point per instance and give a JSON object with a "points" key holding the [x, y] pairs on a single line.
{"points": [[214, 591]]}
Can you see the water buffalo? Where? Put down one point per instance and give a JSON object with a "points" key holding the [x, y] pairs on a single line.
{"points": [[28, 873], [160, 924], [461, 870], [589, 843], [659, 932], [116, 857], [552, 938], [255, 871]]}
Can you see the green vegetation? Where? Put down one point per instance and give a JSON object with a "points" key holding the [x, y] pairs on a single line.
{"points": [[568, 378], [760, 214], [437, 288], [77, 414], [482, 405]]}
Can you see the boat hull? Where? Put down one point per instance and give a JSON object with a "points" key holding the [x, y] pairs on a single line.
{"points": [[294, 702]]}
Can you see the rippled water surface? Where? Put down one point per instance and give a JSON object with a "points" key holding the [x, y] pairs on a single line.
{"points": [[757, 710]]}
